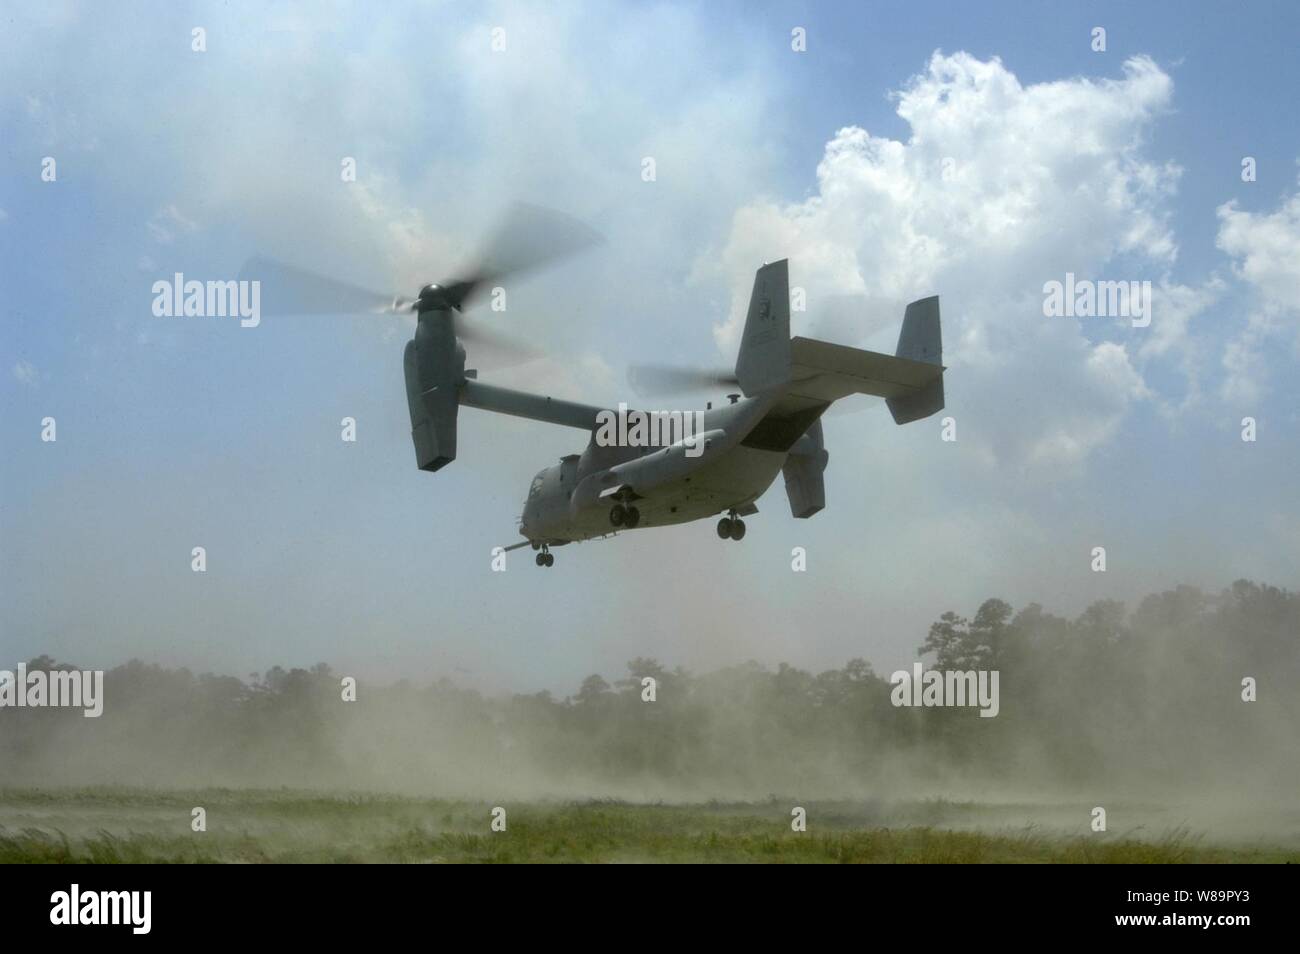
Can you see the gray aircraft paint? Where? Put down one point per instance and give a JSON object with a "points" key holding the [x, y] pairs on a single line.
{"points": [[774, 429]]}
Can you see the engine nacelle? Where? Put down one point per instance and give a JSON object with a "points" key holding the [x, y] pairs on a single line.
{"points": [[435, 367]]}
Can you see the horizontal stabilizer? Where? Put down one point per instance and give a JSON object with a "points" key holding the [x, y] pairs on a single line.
{"points": [[911, 381], [823, 371]]}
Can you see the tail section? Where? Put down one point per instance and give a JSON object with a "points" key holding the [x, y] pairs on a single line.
{"points": [[920, 340], [910, 381], [764, 359], [804, 484]]}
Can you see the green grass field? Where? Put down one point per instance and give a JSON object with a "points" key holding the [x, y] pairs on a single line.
{"points": [[125, 826]]}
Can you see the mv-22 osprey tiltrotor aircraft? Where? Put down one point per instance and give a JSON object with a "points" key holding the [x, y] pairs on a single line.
{"points": [[772, 425]]}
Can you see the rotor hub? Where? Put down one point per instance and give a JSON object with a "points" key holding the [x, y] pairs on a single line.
{"points": [[431, 296]]}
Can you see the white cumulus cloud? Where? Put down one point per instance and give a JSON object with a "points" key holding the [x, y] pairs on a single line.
{"points": [[1265, 248], [999, 188]]}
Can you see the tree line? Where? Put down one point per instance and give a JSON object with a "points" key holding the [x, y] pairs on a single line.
{"points": [[1153, 697]]}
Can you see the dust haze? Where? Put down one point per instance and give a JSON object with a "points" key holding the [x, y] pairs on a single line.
{"points": [[1140, 707]]}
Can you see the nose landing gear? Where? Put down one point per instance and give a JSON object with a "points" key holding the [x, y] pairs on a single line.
{"points": [[545, 557], [731, 527]]}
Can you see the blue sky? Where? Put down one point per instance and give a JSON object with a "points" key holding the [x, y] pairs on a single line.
{"points": [[174, 433]]}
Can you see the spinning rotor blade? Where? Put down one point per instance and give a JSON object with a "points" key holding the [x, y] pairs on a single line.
{"points": [[490, 348], [652, 380], [289, 290], [527, 238]]}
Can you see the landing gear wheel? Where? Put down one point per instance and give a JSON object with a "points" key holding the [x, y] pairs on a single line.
{"points": [[632, 517], [618, 515], [550, 559], [541, 559], [737, 529], [724, 528]]}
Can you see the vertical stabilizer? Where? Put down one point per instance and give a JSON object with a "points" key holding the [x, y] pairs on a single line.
{"points": [[920, 340], [764, 359], [804, 484]]}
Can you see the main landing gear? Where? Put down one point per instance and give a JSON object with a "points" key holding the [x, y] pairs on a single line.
{"points": [[620, 516], [731, 527], [545, 557]]}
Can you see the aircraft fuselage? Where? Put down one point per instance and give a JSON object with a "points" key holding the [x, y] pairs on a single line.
{"points": [[668, 484]]}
